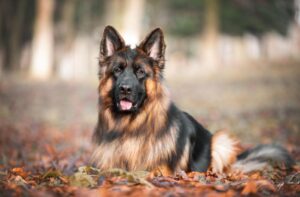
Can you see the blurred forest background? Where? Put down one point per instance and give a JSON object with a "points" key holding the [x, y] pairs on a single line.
{"points": [[45, 39], [231, 63]]}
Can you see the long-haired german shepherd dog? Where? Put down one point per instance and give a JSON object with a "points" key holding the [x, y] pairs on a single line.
{"points": [[140, 128]]}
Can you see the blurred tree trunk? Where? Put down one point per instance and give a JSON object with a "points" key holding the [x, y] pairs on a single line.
{"points": [[43, 40], [114, 12], [297, 15], [210, 33], [63, 53], [2, 48], [15, 49], [12, 17], [132, 20], [126, 16], [68, 23]]}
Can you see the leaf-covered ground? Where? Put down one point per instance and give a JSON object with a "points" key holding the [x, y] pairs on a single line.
{"points": [[46, 129]]}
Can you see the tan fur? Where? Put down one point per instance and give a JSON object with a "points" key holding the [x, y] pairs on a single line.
{"points": [[105, 86], [185, 157], [225, 149], [145, 151], [165, 170]]}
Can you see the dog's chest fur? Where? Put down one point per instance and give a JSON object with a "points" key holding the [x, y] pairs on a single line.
{"points": [[137, 152]]}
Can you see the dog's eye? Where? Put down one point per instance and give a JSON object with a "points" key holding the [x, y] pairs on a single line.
{"points": [[140, 73], [117, 70]]}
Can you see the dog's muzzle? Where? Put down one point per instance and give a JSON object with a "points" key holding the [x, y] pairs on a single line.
{"points": [[125, 103]]}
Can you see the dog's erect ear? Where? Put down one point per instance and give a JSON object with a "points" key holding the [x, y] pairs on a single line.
{"points": [[154, 45], [110, 43]]}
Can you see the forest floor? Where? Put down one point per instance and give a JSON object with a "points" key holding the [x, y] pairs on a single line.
{"points": [[46, 129]]}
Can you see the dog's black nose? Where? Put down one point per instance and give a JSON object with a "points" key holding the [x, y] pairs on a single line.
{"points": [[125, 89]]}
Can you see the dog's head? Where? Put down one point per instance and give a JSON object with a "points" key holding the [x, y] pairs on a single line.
{"points": [[129, 76]]}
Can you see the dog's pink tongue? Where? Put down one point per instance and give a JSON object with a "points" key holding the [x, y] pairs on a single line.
{"points": [[125, 105]]}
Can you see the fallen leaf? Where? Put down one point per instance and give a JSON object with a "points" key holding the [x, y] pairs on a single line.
{"points": [[249, 188], [19, 171], [64, 179], [266, 185], [80, 179], [137, 177], [18, 180], [52, 173]]}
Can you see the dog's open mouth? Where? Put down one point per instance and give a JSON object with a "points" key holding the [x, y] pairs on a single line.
{"points": [[125, 105]]}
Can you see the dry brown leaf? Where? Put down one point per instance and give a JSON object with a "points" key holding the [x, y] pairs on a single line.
{"points": [[249, 188], [52, 173], [266, 185], [19, 171]]}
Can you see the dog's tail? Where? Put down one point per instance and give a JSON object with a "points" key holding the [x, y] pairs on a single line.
{"points": [[263, 156], [226, 155]]}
